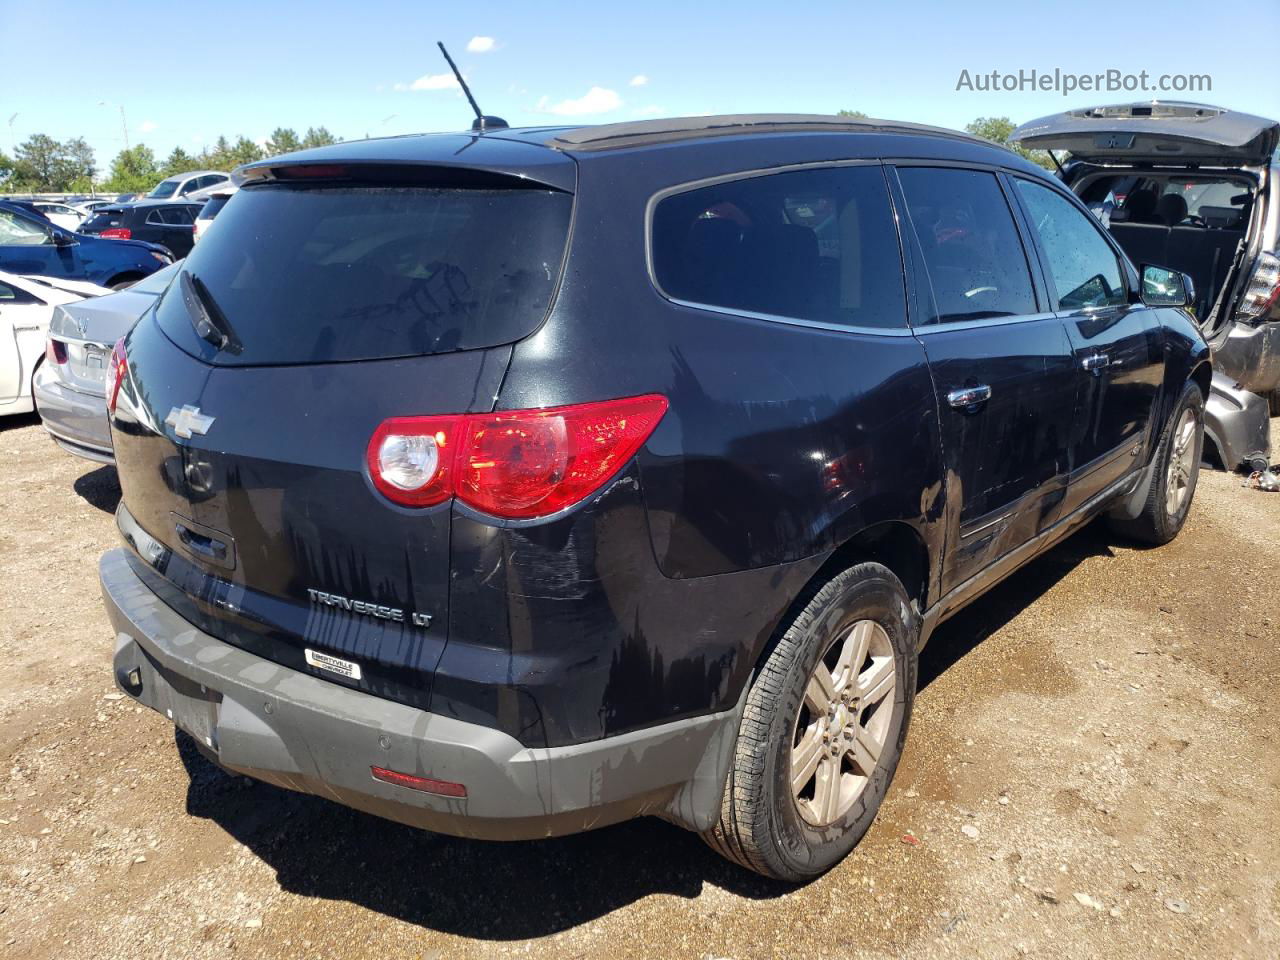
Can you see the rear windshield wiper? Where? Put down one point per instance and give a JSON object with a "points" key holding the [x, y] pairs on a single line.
{"points": [[210, 323]]}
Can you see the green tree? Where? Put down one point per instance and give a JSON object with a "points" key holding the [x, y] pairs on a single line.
{"points": [[217, 157], [42, 163], [318, 137], [283, 140], [851, 114], [6, 170], [244, 151], [179, 161], [133, 171], [998, 129]]}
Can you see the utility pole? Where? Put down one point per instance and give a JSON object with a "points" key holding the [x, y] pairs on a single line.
{"points": [[13, 143], [124, 127]]}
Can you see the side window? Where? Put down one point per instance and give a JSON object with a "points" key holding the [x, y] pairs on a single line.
{"points": [[817, 245], [1083, 266], [16, 231], [971, 248], [157, 216], [181, 215]]}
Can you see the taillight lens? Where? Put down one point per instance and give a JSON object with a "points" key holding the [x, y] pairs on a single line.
{"points": [[514, 464], [411, 459], [1263, 289], [116, 373], [117, 233], [55, 351]]}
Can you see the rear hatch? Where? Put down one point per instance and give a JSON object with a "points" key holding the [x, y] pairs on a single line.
{"points": [[1154, 133], [329, 299]]}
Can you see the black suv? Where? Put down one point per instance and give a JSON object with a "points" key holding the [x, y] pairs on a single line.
{"points": [[514, 483], [172, 225]]}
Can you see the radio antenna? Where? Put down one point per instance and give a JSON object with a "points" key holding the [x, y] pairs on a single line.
{"points": [[481, 122]]}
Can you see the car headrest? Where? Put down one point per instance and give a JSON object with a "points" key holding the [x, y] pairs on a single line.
{"points": [[1141, 205], [1172, 209]]}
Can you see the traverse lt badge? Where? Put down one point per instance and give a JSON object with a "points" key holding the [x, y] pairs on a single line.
{"points": [[187, 420]]}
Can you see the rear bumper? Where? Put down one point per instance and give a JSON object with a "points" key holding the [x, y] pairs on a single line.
{"points": [[1238, 422], [76, 421], [297, 731], [1250, 355]]}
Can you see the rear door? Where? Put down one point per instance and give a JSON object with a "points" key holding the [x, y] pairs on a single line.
{"points": [[1001, 364], [314, 313], [1116, 341]]}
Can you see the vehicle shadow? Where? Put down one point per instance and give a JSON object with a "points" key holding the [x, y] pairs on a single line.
{"points": [[958, 636], [508, 891], [99, 488], [471, 888], [19, 420]]}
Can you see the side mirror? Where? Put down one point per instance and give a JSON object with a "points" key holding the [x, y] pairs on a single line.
{"points": [[1162, 287], [63, 239]]}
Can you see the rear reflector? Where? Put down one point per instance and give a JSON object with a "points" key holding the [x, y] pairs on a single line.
{"points": [[516, 464], [117, 233], [441, 788], [55, 351], [116, 373]]}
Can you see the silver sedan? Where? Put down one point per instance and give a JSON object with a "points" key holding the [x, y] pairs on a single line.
{"points": [[70, 391]]}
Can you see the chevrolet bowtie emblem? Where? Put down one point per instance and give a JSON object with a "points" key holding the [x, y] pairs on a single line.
{"points": [[187, 420]]}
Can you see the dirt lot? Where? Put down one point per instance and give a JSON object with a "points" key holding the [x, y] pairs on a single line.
{"points": [[1093, 771]]}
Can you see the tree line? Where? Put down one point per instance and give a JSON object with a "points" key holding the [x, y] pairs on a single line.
{"points": [[41, 164], [44, 165]]}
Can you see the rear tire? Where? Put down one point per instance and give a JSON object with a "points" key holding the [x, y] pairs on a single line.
{"points": [[1176, 469], [124, 282], [814, 756]]}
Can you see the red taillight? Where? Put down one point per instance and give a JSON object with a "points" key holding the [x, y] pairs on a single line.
{"points": [[514, 464], [117, 233], [443, 788], [116, 372], [55, 351]]}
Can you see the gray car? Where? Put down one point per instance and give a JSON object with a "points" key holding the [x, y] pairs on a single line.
{"points": [[70, 391]]}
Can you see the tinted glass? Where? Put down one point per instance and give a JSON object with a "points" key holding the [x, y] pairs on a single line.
{"points": [[18, 231], [816, 245], [164, 189], [312, 274], [210, 209], [972, 251], [1082, 265], [101, 220]]}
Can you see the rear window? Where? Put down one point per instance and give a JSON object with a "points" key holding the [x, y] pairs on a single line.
{"points": [[309, 274], [101, 220], [210, 209], [817, 245]]}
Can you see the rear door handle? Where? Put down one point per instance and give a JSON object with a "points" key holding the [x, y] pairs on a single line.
{"points": [[969, 398], [1096, 363]]}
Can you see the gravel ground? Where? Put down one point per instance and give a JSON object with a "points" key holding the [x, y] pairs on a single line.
{"points": [[1092, 771]]}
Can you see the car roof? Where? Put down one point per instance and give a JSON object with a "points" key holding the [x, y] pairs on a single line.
{"points": [[548, 154], [194, 173]]}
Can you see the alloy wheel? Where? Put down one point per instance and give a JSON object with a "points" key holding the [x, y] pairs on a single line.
{"points": [[843, 723], [1181, 463]]}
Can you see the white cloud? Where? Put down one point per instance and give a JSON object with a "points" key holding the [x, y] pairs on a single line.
{"points": [[480, 45], [431, 81], [653, 110], [148, 125], [639, 80], [596, 100]]}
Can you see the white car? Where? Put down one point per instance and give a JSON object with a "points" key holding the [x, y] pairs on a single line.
{"points": [[191, 187], [68, 218], [26, 304], [86, 207], [210, 210]]}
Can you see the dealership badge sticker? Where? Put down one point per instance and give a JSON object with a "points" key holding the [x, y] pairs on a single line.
{"points": [[323, 661]]}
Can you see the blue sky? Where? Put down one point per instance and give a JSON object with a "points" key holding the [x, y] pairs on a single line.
{"points": [[367, 68]]}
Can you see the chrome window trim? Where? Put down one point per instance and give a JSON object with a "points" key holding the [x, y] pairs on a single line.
{"points": [[949, 325], [687, 187]]}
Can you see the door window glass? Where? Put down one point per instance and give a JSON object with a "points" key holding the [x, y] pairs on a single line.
{"points": [[18, 231], [974, 257], [817, 245], [1082, 266]]}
